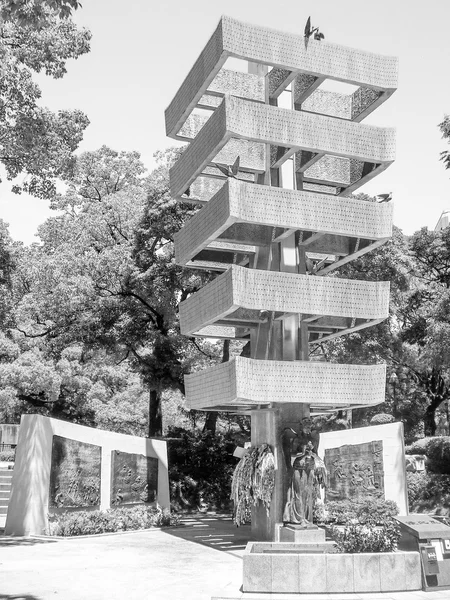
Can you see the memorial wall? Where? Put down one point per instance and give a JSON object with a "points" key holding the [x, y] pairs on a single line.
{"points": [[63, 466]]}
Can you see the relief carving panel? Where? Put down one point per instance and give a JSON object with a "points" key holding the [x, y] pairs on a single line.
{"points": [[355, 471], [74, 474], [134, 478]]}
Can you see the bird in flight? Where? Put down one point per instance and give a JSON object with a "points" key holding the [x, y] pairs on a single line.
{"points": [[230, 170], [310, 30], [384, 197]]}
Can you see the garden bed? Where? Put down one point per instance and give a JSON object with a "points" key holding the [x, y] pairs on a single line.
{"points": [[115, 520]]}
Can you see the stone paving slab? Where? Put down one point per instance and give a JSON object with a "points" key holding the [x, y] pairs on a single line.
{"points": [[198, 561]]}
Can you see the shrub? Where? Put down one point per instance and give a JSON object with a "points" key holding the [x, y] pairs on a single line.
{"points": [[419, 446], [416, 483], [428, 492], [115, 519], [367, 538], [368, 511], [7, 455], [436, 449], [438, 453], [381, 419], [201, 467]]}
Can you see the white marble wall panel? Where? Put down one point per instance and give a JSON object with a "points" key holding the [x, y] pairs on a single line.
{"points": [[393, 455]]}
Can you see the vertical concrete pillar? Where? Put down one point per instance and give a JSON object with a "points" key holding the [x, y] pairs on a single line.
{"points": [[286, 340], [267, 427]]}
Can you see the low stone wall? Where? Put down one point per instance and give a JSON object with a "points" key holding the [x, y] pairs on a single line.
{"points": [[268, 569]]}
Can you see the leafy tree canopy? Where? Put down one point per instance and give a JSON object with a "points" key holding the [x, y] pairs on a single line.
{"points": [[414, 340], [105, 277], [34, 141]]}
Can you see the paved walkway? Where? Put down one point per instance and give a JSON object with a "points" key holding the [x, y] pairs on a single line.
{"points": [[201, 560]]}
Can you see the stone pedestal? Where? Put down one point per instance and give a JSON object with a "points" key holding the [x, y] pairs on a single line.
{"points": [[301, 535]]}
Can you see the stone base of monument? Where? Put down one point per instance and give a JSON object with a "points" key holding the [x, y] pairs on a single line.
{"points": [[301, 534], [278, 567]]}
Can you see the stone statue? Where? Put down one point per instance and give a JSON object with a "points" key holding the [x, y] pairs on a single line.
{"points": [[307, 473], [294, 442]]}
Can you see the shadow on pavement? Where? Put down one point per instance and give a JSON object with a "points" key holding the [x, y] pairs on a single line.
{"points": [[18, 597], [216, 531], [9, 541]]}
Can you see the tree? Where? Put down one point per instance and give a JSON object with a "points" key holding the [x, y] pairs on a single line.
{"points": [[36, 13], [35, 142], [445, 129], [105, 276], [413, 341], [429, 324]]}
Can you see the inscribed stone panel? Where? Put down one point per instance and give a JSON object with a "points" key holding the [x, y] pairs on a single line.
{"points": [[355, 471], [134, 478], [74, 474]]}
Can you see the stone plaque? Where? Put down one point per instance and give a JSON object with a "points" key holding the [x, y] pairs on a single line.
{"points": [[424, 527], [355, 471], [134, 478], [74, 474]]}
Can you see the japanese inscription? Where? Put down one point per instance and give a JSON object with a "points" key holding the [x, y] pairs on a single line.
{"points": [[74, 474], [355, 471], [134, 478]]}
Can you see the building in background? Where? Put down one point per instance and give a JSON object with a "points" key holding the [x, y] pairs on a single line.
{"points": [[444, 220]]}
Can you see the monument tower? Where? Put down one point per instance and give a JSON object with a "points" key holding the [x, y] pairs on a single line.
{"points": [[273, 158]]}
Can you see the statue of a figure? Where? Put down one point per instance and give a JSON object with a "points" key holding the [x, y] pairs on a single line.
{"points": [[307, 473]]}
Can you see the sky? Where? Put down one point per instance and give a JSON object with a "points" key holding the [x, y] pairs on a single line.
{"points": [[142, 50]]}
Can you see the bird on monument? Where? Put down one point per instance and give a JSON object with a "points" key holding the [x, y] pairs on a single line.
{"points": [[384, 197], [313, 267], [310, 30], [230, 170]]}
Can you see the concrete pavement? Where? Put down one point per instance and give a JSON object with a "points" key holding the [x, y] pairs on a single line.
{"points": [[198, 561]]}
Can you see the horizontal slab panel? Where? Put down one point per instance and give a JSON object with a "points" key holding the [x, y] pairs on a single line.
{"points": [[236, 118], [282, 50], [245, 381], [264, 208], [286, 293]]}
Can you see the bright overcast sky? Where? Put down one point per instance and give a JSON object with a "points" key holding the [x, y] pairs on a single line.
{"points": [[142, 50]]}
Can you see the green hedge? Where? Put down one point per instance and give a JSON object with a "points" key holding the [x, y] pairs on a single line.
{"points": [[367, 538], [344, 512], [428, 492], [362, 526], [437, 451], [113, 520]]}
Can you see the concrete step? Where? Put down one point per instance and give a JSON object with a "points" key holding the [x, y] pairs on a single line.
{"points": [[5, 495], [5, 486], [3, 510], [3, 502]]}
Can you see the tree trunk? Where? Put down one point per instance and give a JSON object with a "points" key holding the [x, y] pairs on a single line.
{"points": [[211, 417], [429, 421], [437, 390], [211, 422], [154, 414]]}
